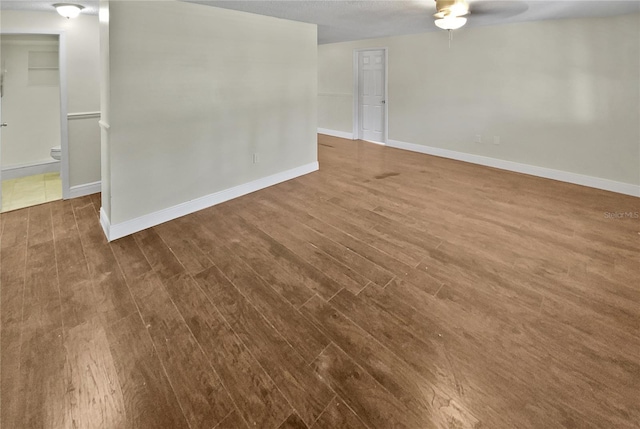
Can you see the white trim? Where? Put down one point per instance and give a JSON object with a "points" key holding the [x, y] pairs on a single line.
{"points": [[104, 222], [356, 97], [24, 170], [371, 141], [119, 230], [548, 173], [29, 42], [83, 115], [356, 94], [334, 133], [86, 189], [64, 126]]}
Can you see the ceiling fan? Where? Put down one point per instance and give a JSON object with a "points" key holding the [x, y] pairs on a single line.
{"points": [[451, 14]]}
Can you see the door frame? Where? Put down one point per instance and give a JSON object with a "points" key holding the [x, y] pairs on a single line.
{"points": [[64, 125], [356, 94]]}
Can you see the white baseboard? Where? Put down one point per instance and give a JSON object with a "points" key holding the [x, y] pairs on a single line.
{"points": [[548, 173], [375, 142], [104, 222], [24, 170], [86, 189], [119, 230], [334, 133]]}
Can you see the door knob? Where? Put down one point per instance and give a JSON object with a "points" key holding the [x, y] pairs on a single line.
{"points": [[4, 124], [384, 101]]}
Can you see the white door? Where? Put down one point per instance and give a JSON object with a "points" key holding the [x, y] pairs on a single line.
{"points": [[371, 95]]}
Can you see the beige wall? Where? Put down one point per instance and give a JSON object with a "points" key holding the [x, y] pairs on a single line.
{"points": [[83, 90], [31, 100], [195, 91], [560, 94]]}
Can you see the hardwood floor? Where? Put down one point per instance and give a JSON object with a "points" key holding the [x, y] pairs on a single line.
{"points": [[388, 290]]}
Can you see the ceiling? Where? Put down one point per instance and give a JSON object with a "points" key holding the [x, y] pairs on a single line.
{"points": [[340, 20]]}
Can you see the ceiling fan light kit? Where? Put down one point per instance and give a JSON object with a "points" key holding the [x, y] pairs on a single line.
{"points": [[449, 14], [450, 22]]}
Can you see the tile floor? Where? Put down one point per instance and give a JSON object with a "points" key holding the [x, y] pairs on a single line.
{"points": [[30, 191]]}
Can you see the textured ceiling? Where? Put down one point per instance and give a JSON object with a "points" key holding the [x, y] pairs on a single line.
{"points": [[340, 20], [90, 6], [354, 20]]}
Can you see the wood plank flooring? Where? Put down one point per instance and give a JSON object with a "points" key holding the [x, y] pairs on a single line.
{"points": [[388, 290]]}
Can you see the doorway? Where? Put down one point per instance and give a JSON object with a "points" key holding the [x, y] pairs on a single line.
{"points": [[33, 156], [370, 90]]}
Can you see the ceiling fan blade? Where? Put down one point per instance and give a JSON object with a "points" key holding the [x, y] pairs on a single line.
{"points": [[498, 8]]}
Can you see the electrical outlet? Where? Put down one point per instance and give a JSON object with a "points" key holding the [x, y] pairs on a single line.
{"points": [[496, 139], [255, 158], [478, 138]]}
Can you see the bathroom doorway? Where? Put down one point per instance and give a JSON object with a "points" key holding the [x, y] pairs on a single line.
{"points": [[33, 155]]}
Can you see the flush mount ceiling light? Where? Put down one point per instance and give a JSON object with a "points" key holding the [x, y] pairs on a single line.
{"points": [[68, 10]]}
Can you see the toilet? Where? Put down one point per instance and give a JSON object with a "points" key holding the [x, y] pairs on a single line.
{"points": [[55, 153]]}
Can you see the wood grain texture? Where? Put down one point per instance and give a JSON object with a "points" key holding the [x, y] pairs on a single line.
{"points": [[93, 395], [77, 295], [387, 290], [42, 306], [425, 400], [305, 338], [149, 400], [63, 220], [322, 274], [110, 289], [13, 256], [232, 421], [259, 401], [178, 239], [291, 277], [370, 400], [160, 257], [42, 379], [293, 422], [338, 416], [304, 390], [132, 261], [203, 399]]}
